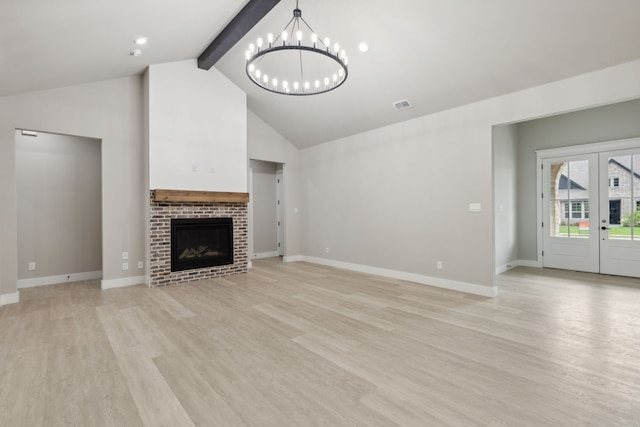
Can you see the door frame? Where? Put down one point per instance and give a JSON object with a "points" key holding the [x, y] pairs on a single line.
{"points": [[594, 148], [583, 253]]}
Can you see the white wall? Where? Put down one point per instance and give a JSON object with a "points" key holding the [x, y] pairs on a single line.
{"points": [[505, 196], [268, 145], [264, 205], [197, 129], [59, 194], [108, 110], [606, 123], [397, 197]]}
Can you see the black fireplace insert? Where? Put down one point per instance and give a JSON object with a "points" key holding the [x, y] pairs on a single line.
{"points": [[201, 243]]}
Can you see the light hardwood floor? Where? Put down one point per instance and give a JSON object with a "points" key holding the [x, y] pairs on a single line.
{"points": [[304, 345]]}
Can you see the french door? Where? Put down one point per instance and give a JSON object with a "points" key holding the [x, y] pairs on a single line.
{"points": [[591, 212]]}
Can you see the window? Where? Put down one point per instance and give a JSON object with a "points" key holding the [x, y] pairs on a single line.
{"points": [[576, 210], [586, 210], [638, 205], [566, 210], [614, 182]]}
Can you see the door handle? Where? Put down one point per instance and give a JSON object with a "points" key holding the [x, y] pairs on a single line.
{"points": [[604, 228]]}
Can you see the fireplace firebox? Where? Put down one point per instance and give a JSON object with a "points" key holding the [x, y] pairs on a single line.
{"points": [[201, 243]]}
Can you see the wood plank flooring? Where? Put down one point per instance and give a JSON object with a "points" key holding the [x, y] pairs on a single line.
{"points": [[305, 345]]}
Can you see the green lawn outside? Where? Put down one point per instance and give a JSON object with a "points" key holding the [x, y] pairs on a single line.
{"points": [[613, 231]]}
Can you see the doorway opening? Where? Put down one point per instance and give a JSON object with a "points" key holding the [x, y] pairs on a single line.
{"points": [[266, 209], [59, 199]]}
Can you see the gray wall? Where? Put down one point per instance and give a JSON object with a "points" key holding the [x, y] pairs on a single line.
{"points": [[264, 205], [59, 194], [110, 111], [398, 197], [607, 123]]}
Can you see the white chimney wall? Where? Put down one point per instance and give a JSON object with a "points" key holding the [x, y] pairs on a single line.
{"points": [[197, 129]]}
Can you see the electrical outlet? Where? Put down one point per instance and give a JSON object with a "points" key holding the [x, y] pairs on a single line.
{"points": [[140, 264], [439, 265], [326, 250], [125, 266], [125, 255], [32, 266]]}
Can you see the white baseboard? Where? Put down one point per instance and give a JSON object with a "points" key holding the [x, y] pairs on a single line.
{"points": [[294, 258], [13, 298], [528, 263], [249, 264], [124, 282], [517, 263], [471, 288], [265, 255], [506, 267], [64, 278]]}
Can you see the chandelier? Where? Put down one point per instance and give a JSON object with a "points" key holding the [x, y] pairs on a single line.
{"points": [[297, 61]]}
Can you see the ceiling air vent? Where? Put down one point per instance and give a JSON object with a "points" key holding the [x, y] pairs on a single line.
{"points": [[402, 105]]}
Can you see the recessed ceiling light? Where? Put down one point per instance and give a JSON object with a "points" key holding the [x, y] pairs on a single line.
{"points": [[140, 41], [363, 47], [135, 52]]}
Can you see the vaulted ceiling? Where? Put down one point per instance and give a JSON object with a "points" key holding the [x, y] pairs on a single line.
{"points": [[437, 54]]}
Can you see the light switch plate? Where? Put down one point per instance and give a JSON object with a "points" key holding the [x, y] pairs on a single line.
{"points": [[475, 207]]}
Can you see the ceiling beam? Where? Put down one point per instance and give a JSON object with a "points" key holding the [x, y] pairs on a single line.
{"points": [[240, 25]]}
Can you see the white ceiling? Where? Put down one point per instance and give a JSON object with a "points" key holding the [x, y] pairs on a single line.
{"points": [[437, 53]]}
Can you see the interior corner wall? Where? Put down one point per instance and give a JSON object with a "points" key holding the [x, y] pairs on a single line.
{"points": [[264, 143], [505, 196], [398, 197], [59, 193], [109, 110], [600, 124], [197, 129]]}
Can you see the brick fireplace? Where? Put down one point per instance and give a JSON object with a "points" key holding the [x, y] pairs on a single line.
{"points": [[167, 205]]}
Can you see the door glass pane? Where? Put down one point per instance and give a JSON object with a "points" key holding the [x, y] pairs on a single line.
{"points": [[569, 199], [624, 193]]}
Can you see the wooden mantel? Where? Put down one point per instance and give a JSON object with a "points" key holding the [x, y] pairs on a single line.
{"points": [[199, 196]]}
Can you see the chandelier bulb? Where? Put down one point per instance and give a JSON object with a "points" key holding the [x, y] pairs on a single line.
{"points": [[296, 86], [326, 81], [259, 42], [265, 79], [335, 78], [247, 55], [252, 68], [341, 73], [258, 73], [270, 39], [327, 42], [343, 54], [285, 36], [336, 48], [314, 38], [285, 85], [317, 84], [252, 48], [299, 35], [306, 86], [274, 82]]}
